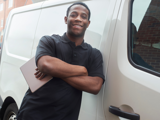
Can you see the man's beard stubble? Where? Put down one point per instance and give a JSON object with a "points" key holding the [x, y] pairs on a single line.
{"points": [[76, 35]]}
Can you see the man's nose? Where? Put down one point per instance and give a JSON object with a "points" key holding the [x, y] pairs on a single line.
{"points": [[78, 18]]}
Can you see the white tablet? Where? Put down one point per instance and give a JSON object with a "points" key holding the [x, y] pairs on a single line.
{"points": [[28, 70]]}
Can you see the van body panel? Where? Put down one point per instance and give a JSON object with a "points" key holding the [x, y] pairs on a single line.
{"points": [[105, 48], [129, 86], [17, 48], [52, 3], [30, 7], [25, 33]]}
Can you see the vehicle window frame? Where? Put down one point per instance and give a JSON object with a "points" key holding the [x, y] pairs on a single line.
{"points": [[129, 44]]}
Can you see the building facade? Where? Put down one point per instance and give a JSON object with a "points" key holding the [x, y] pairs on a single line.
{"points": [[147, 42]]}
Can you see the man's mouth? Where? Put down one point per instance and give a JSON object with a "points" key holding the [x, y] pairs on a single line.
{"points": [[77, 26]]}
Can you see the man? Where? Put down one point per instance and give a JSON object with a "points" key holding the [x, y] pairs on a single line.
{"points": [[74, 65]]}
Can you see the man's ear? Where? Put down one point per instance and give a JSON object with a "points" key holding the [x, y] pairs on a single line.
{"points": [[88, 23], [65, 19]]}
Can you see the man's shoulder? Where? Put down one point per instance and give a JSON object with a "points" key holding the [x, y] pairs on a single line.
{"points": [[56, 36], [96, 53], [94, 50], [51, 38]]}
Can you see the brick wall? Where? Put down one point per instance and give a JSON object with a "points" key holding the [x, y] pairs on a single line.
{"points": [[6, 10], [155, 2], [2, 15], [148, 38], [149, 31], [150, 55]]}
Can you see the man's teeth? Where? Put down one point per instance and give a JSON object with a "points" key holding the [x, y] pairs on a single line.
{"points": [[77, 25]]}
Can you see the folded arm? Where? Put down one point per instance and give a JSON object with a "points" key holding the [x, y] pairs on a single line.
{"points": [[85, 83], [58, 68]]}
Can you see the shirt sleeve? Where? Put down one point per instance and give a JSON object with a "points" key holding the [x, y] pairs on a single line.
{"points": [[46, 46], [96, 65]]}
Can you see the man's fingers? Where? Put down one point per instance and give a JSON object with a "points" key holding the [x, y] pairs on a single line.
{"points": [[37, 73], [42, 76]]}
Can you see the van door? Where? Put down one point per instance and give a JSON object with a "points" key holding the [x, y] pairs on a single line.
{"points": [[17, 48], [133, 78]]}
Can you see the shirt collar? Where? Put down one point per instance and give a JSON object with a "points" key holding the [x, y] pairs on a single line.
{"points": [[67, 40]]}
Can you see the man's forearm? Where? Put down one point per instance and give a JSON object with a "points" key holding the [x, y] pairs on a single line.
{"points": [[58, 68], [85, 83]]}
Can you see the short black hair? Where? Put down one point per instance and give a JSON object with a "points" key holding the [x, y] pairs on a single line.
{"points": [[79, 3]]}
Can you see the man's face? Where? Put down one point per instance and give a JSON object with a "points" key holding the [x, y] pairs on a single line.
{"points": [[77, 20]]}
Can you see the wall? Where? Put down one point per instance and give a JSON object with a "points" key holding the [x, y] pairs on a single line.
{"points": [[147, 43]]}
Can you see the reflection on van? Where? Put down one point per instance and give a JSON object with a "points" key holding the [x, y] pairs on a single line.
{"points": [[147, 39]]}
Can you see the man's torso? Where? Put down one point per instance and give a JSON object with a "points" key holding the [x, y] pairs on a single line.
{"points": [[57, 99]]}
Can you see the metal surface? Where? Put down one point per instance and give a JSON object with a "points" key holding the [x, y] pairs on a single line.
{"points": [[12, 117]]}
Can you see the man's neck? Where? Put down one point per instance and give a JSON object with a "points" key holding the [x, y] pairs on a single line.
{"points": [[77, 40]]}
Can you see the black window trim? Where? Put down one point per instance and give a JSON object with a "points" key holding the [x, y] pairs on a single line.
{"points": [[130, 43]]}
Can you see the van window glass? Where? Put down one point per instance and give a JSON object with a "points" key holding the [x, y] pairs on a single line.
{"points": [[145, 30], [20, 36]]}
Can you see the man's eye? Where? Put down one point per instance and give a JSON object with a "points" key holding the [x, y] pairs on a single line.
{"points": [[84, 17], [73, 15]]}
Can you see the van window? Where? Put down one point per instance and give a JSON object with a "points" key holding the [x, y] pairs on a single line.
{"points": [[21, 33], [145, 33]]}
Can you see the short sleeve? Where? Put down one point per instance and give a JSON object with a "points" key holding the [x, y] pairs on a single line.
{"points": [[46, 46], [96, 64]]}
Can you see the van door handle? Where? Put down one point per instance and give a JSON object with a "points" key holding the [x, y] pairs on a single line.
{"points": [[116, 111]]}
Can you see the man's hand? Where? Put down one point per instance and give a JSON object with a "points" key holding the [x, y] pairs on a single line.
{"points": [[39, 75]]}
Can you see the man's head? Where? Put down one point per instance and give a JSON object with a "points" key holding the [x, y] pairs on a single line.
{"points": [[79, 3], [77, 19]]}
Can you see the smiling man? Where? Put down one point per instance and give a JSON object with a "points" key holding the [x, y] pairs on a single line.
{"points": [[74, 65]]}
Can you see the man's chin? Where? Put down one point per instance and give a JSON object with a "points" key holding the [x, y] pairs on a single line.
{"points": [[77, 34]]}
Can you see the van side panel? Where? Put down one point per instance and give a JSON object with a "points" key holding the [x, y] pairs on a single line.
{"points": [[129, 86], [17, 49]]}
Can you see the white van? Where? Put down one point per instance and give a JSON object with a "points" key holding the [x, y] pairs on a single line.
{"points": [[126, 32]]}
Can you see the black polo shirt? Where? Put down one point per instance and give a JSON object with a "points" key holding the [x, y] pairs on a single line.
{"points": [[57, 100]]}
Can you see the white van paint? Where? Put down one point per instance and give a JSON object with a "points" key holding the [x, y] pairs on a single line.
{"points": [[125, 85]]}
